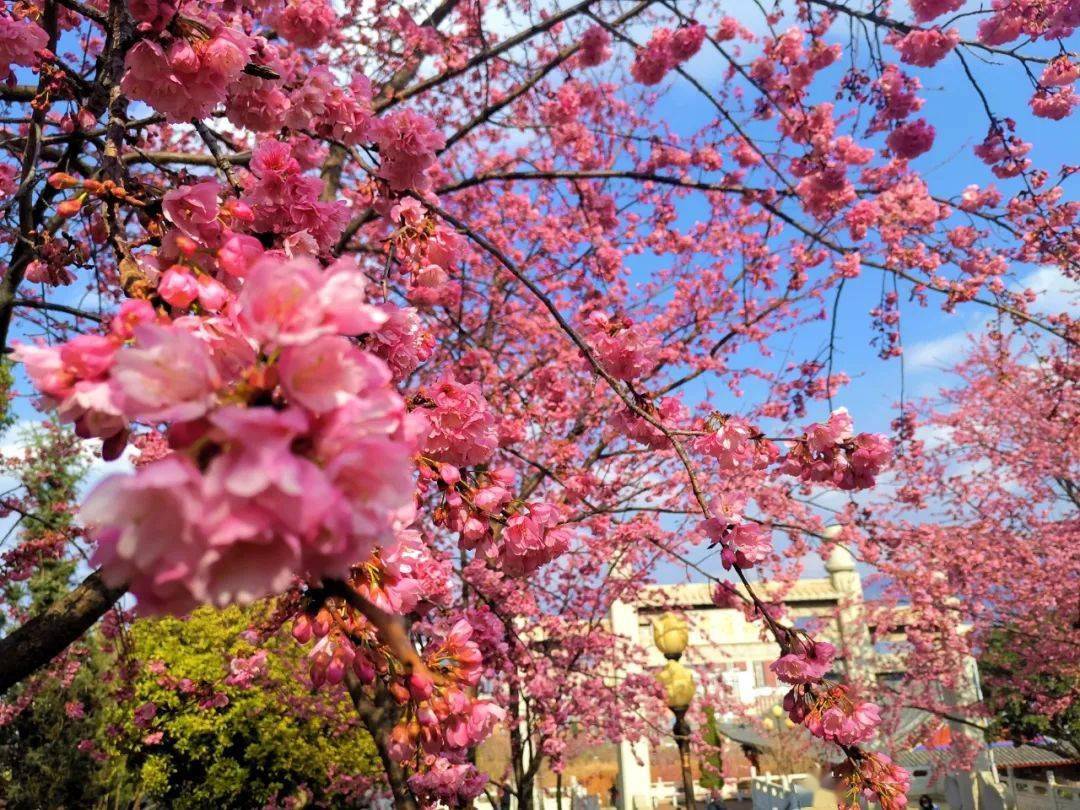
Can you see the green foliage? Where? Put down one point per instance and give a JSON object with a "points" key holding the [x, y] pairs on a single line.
{"points": [[712, 763], [264, 743], [40, 761], [273, 740], [7, 383], [1017, 702], [52, 466]]}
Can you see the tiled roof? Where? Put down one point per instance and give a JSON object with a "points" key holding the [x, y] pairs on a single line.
{"points": [[1005, 756], [1029, 756]]}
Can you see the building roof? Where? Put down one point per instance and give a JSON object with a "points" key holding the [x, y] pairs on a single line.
{"points": [[743, 734], [1005, 756], [699, 594]]}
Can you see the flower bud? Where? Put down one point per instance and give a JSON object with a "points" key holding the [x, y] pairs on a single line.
{"points": [[61, 180], [301, 629], [420, 686], [69, 208]]}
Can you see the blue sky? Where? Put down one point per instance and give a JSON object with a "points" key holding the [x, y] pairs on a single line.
{"points": [[933, 339]]}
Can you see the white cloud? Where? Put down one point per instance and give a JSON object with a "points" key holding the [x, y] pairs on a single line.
{"points": [[940, 353], [1055, 291]]}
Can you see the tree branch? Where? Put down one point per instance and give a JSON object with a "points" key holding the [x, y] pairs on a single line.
{"points": [[42, 638]]}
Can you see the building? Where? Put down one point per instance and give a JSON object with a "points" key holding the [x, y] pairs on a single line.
{"points": [[724, 642]]}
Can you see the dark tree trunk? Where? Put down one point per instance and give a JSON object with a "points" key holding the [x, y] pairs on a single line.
{"points": [[379, 717], [42, 638]]}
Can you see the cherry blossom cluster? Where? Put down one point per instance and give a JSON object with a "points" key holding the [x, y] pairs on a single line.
{"points": [[669, 411], [666, 50], [832, 453], [874, 777], [480, 508], [736, 445], [427, 251], [442, 713], [743, 543], [448, 783], [276, 421], [830, 713], [625, 349], [20, 41]]}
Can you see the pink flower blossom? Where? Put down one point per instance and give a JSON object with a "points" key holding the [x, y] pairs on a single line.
{"points": [[277, 304], [402, 341], [1054, 105], [652, 62], [342, 298], [192, 208], [806, 664], [166, 374], [239, 253], [183, 79], [286, 201], [926, 10], [462, 425], [686, 42], [178, 287], [407, 144], [306, 23], [911, 139], [19, 41], [743, 544], [144, 526], [624, 349], [595, 47], [1061, 72], [670, 412], [730, 445], [925, 47], [324, 374], [74, 710], [532, 539]]}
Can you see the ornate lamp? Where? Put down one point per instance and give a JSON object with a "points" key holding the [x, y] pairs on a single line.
{"points": [[671, 635], [679, 686]]}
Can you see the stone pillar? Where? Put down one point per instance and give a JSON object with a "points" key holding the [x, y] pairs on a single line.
{"points": [[968, 692], [635, 779], [855, 641]]}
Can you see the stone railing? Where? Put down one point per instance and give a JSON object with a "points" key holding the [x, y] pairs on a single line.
{"points": [[779, 792], [1027, 795]]}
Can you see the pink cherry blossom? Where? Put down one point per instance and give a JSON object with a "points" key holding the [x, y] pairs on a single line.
{"points": [[925, 47], [185, 79], [462, 426], [20, 39], [532, 539], [192, 208], [407, 145], [595, 47], [806, 664], [911, 139], [324, 374], [166, 374]]}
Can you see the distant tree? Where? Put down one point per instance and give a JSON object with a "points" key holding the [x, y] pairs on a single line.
{"points": [[211, 720], [42, 763], [1037, 708]]}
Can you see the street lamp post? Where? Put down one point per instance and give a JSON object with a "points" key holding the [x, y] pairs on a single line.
{"points": [[671, 634]]}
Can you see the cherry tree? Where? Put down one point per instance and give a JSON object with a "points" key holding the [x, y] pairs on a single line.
{"points": [[396, 305], [990, 465]]}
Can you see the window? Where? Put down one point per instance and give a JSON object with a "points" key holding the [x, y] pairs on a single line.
{"points": [[759, 674]]}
